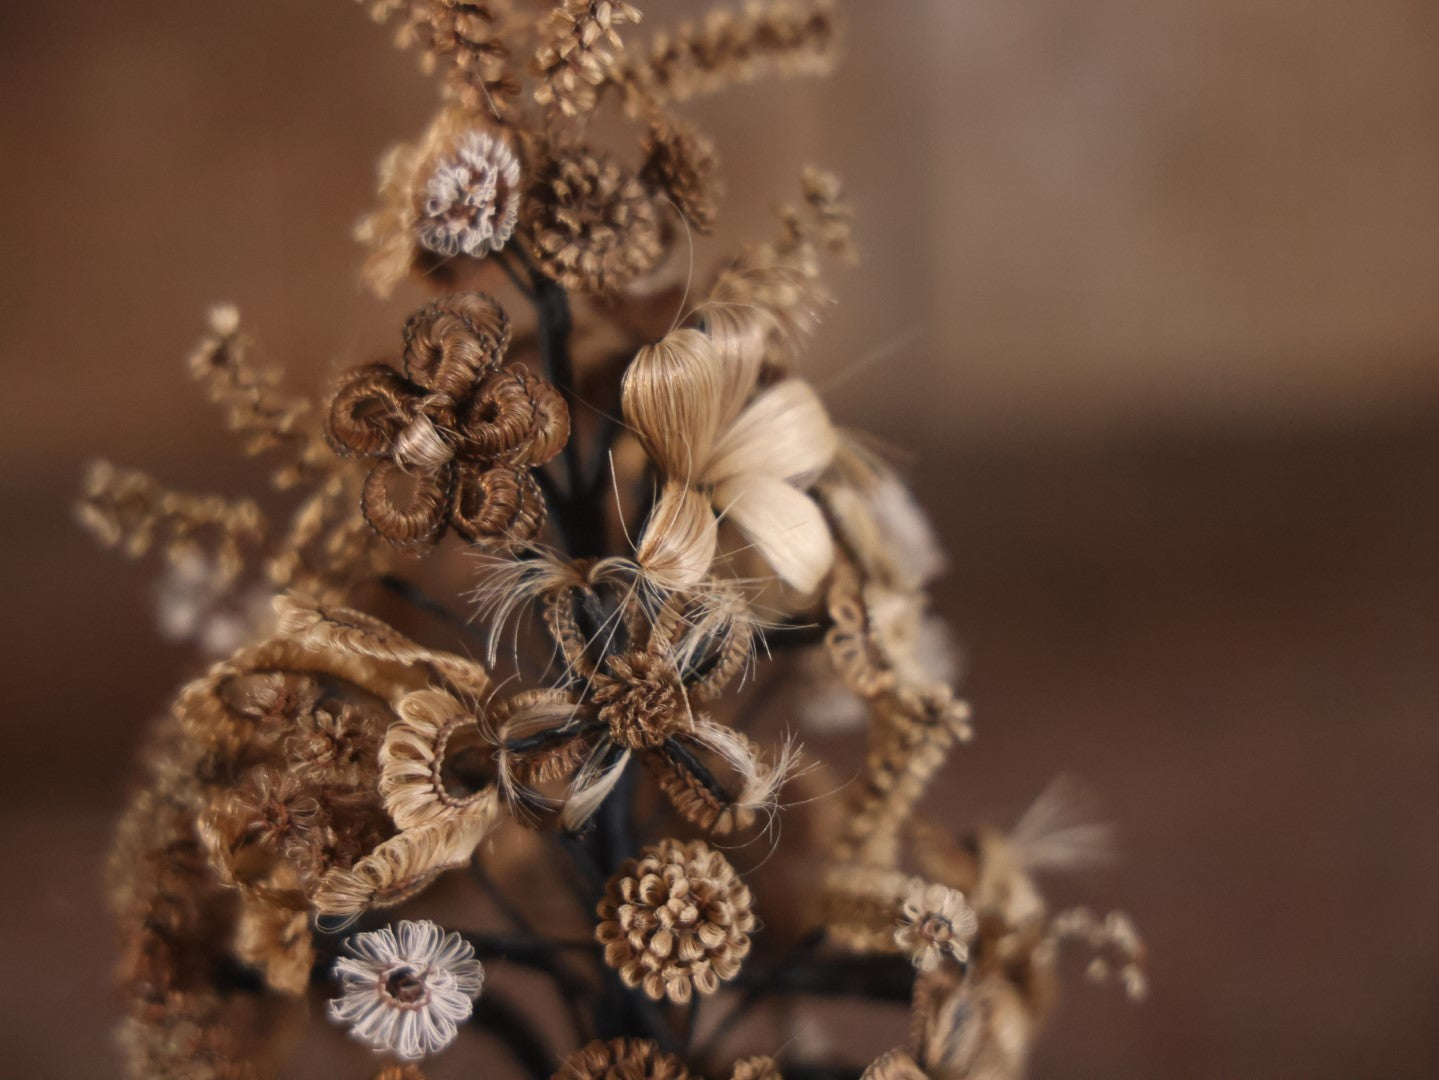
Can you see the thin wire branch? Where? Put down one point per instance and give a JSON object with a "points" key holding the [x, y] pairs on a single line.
{"points": [[766, 984], [624, 1011], [514, 915], [515, 278], [822, 1072], [539, 954], [521, 949], [428, 604], [552, 304], [509, 1026], [877, 978]]}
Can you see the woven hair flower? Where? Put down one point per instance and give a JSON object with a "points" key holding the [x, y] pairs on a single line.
{"points": [[934, 923], [455, 436], [872, 908], [471, 200], [332, 766], [676, 921], [406, 989], [635, 684], [727, 448], [433, 766]]}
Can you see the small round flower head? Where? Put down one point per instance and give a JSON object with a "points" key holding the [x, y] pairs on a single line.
{"points": [[676, 920], [472, 199], [405, 990], [621, 1059], [592, 225], [934, 921]]}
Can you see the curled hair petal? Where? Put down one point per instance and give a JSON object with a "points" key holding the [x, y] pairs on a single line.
{"points": [[369, 408], [785, 525]]}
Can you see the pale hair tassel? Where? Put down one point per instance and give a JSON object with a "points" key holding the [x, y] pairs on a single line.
{"points": [[592, 785], [529, 713], [422, 445], [760, 781], [1058, 831], [511, 585]]}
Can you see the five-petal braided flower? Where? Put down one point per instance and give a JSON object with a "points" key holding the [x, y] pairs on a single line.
{"points": [[637, 681], [456, 434]]}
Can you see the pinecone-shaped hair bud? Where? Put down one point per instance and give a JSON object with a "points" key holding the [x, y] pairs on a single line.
{"points": [[592, 224], [676, 921]]}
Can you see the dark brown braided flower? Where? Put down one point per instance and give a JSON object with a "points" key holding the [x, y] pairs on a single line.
{"points": [[456, 435], [621, 1059], [680, 162], [592, 225], [676, 921]]}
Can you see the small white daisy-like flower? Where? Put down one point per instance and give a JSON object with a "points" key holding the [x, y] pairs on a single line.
{"points": [[406, 989], [472, 199], [934, 922]]}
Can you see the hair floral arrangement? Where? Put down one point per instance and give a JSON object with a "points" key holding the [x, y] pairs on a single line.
{"points": [[555, 573]]}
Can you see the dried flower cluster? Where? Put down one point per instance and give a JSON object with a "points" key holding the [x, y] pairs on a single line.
{"points": [[622, 1059], [660, 513], [578, 40]]}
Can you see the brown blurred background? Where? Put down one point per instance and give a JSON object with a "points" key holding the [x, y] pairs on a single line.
{"points": [[1149, 292]]}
